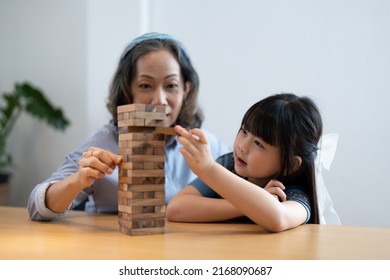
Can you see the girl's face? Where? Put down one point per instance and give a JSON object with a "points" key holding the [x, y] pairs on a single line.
{"points": [[255, 159], [158, 81]]}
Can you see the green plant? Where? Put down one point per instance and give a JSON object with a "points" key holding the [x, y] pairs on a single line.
{"points": [[29, 99]]}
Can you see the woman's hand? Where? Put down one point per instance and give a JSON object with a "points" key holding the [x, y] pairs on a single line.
{"points": [[95, 163], [276, 188], [195, 150]]}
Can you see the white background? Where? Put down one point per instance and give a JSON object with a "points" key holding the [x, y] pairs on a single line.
{"points": [[201, 269], [335, 51]]}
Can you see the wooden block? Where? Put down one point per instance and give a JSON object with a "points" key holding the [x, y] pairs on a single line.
{"points": [[140, 151], [142, 111], [140, 135], [141, 192], [165, 130], [147, 216], [135, 210], [147, 202], [140, 107], [139, 206], [147, 158], [131, 108], [142, 143], [131, 151], [141, 215], [137, 153], [149, 223], [131, 165], [156, 108], [130, 180], [147, 188], [153, 221], [145, 173], [141, 180], [127, 197], [131, 129], [131, 122], [159, 151], [142, 231], [153, 122], [148, 115]]}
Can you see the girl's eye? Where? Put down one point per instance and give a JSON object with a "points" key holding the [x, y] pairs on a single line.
{"points": [[258, 144], [243, 131]]}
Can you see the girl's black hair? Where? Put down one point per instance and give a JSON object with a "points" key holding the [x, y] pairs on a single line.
{"points": [[295, 125]]}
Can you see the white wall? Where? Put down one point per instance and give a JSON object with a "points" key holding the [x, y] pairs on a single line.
{"points": [[44, 42], [336, 51], [111, 26]]}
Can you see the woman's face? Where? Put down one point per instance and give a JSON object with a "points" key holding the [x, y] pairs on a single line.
{"points": [[255, 159], [158, 81]]}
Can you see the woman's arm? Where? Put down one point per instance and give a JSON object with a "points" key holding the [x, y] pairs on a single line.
{"points": [[94, 164]]}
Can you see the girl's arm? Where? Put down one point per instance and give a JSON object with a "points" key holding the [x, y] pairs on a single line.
{"points": [[253, 201], [190, 206], [249, 199]]}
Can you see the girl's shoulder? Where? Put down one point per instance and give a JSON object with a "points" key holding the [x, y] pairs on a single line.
{"points": [[226, 160]]}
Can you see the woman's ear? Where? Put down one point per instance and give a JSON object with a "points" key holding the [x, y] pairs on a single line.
{"points": [[297, 163], [187, 87]]}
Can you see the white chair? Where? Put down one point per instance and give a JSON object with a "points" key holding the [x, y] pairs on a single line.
{"points": [[327, 149]]}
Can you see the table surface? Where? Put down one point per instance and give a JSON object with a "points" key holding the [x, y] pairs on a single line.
{"points": [[85, 236]]}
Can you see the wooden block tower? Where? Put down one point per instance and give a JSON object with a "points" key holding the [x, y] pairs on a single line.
{"points": [[141, 192]]}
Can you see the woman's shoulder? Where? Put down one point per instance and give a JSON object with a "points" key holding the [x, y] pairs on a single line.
{"points": [[218, 147], [211, 136], [105, 137], [106, 130]]}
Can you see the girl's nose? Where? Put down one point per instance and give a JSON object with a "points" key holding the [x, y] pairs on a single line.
{"points": [[244, 147]]}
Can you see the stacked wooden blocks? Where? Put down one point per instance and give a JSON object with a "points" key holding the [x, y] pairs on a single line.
{"points": [[141, 194]]}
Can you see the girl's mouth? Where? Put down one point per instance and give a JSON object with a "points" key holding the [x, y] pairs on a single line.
{"points": [[238, 161]]}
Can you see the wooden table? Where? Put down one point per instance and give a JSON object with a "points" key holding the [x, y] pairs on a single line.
{"points": [[83, 236]]}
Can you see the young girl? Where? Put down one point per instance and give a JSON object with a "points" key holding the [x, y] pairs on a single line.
{"points": [[270, 175]]}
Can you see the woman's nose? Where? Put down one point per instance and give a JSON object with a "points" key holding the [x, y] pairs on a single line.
{"points": [[159, 97]]}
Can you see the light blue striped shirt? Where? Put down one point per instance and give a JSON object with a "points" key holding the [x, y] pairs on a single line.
{"points": [[103, 195]]}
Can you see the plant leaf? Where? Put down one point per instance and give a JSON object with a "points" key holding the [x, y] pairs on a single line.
{"points": [[40, 107]]}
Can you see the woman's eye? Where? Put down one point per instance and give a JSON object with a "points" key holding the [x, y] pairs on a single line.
{"points": [[173, 86], [144, 86]]}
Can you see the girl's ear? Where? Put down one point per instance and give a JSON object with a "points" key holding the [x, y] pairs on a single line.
{"points": [[297, 163]]}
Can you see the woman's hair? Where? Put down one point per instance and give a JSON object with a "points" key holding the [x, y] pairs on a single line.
{"points": [[120, 90], [294, 124]]}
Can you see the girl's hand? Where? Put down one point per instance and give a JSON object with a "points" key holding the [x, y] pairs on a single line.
{"points": [[195, 149], [96, 163], [276, 188]]}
